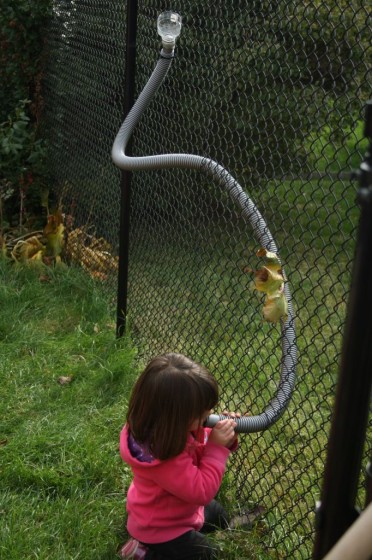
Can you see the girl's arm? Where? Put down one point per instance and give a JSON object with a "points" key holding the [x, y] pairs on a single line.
{"points": [[197, 484]]}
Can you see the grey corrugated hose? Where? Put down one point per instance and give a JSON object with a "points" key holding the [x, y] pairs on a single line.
{"points": [[279, 402]]}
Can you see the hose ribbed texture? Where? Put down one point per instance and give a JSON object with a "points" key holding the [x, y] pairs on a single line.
{"points": [[280, 401]]}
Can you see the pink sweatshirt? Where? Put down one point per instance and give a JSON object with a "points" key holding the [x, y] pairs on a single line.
{"points": [[167, 498]]}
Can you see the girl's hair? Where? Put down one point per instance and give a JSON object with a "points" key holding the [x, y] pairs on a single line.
{"points": [[171, 393]]}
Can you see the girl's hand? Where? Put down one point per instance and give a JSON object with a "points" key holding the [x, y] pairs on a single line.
{"points": [[223, 433], [234, 444], [231, 414]]}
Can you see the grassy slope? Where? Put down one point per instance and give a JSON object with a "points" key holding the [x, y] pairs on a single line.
{"points": [[62, 480], [62, 489]]}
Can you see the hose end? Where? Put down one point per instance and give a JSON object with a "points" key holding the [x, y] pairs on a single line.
{"points": [[169, 27]]}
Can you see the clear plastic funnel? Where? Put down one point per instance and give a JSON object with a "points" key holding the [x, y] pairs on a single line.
{"points": [[169, 27]]}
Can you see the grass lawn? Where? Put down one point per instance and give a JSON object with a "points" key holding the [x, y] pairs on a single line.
{"points": [[62, 482]]}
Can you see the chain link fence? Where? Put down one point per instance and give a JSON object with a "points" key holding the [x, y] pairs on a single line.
{"points": [[275, 93]]}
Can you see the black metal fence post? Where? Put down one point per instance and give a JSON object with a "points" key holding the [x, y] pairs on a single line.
{"points": [[337, 509], [126, 176]]}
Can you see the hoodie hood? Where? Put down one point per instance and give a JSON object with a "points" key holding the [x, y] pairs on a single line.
{"points": [[134, 453]]}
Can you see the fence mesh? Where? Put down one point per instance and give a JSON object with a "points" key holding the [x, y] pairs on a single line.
{"points": [[275, 93]]}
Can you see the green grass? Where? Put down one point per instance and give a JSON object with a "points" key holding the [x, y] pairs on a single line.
{"points": [[62, 482], [325, 153]]}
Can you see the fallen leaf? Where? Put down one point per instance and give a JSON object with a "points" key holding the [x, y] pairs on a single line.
{"points": [[247, 519], [54, 233], [65, 380], [38, 256], [96, 274], [27, 249], [44, 278]]}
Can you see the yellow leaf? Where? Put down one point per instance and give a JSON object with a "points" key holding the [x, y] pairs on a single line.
{"points": [[271, 259], [54, 233], [100, 244], [275, 308], [37, 256], [262, 252], [267, 280], [27, 249], [54, 220], [270, 280]]}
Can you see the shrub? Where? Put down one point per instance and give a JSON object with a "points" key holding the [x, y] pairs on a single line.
{"points": [[22, 167]]}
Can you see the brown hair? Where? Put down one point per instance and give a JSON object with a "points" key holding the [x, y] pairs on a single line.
{"points": [[169, 395]]}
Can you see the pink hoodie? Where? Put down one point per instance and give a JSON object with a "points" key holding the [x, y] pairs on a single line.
{"points": [[167, 498]]}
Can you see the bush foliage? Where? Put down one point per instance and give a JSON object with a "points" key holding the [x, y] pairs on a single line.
{"points": [[22, 170]]}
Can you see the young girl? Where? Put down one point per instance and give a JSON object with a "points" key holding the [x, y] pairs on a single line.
{"points": [[177, 463]]}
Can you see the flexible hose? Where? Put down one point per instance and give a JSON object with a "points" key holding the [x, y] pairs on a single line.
{"points": [[281, 399]]}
